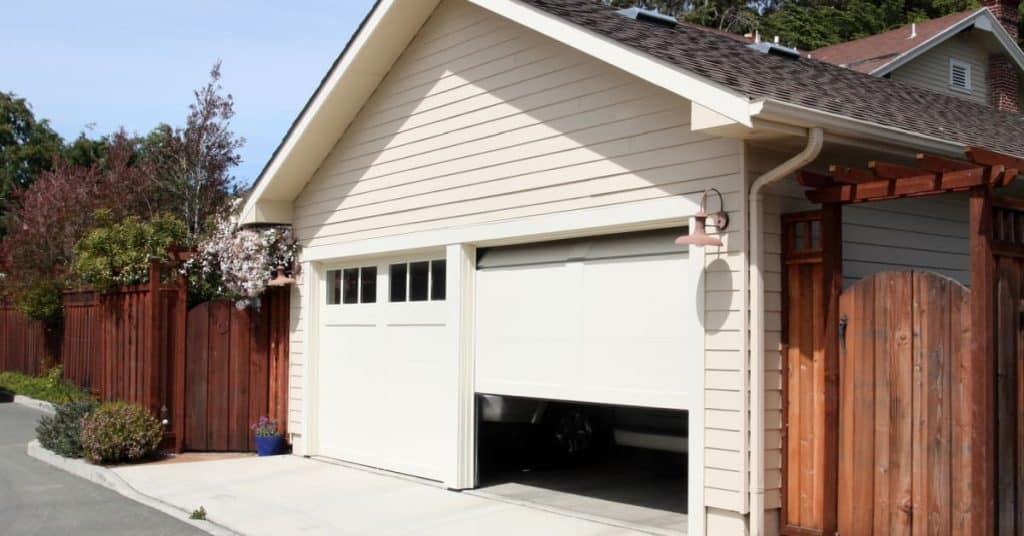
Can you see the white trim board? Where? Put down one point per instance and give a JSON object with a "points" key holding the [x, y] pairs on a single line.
{"points": [[635, 216]]}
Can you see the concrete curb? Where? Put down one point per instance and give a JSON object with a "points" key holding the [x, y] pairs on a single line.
{"points": [[41, 405], [109, 479]]}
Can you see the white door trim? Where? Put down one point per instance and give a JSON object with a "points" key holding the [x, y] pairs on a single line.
{"points": [[695, 457], [462, 299]]}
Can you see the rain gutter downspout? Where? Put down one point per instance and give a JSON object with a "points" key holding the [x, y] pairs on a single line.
{"points": [[755, 264]]}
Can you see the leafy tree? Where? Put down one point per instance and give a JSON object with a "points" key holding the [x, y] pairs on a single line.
{"points": [[118, 253], [27, 145], [192, 164], [53, 213]]}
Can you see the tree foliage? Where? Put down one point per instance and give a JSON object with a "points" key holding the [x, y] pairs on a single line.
{"points": [[192, 164], [118, 253], [805, 24], [27, 145], [131, 187]]}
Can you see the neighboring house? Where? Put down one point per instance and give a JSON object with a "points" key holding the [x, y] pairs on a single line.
{"points": [[971, 54], [487, 191]]}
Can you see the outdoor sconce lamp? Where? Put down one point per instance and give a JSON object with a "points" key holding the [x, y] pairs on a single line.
{"points": [[699, 236], [280, 280]]}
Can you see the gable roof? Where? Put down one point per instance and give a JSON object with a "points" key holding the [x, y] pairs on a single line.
{"points": [[715, 71], [874, 52], [882, 53], [803, 82]]}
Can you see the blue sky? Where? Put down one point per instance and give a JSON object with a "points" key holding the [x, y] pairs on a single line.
{"points": [[134, 64]]}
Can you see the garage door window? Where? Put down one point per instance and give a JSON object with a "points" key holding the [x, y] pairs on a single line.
{"points": [[352, 285], [417, 281]]}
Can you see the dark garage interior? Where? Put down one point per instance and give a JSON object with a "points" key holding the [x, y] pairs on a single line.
{"points": [[625, 465]]}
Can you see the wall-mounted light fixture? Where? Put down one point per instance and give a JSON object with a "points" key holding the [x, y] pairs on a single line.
{"points": [[280, 280], [720, 220]]}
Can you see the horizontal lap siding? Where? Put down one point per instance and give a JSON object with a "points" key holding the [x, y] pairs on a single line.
{"points": [[296, 362], [724, 385], [931, 69], [482, 120]]}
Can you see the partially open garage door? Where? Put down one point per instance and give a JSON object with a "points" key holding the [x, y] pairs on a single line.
{"points": [[387, 366], [604, 320]]}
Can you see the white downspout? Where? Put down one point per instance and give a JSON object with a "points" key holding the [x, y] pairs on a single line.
{"points": [[755, 262]]}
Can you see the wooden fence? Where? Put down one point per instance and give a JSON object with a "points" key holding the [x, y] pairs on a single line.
{"points": [[236, 371], [26, 345], [139, 343]]}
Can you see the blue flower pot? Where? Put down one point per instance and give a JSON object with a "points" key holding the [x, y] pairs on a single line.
{"points": [[269, 445]]}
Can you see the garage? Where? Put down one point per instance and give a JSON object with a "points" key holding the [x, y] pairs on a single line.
{"points": [[386, 375], [584, 360]]}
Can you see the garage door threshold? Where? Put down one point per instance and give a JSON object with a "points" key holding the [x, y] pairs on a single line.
{"points": [[668, 523]]}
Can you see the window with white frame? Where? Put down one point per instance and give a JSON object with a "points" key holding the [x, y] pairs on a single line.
{"points": [[417, 281], [352, 285], [959, 75]]}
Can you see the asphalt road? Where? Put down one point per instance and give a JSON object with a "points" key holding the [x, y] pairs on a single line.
{"points": [[40, 500]]}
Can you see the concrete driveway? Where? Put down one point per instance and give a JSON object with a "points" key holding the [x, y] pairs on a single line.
{"points": [[293, 495], [40, 500]]}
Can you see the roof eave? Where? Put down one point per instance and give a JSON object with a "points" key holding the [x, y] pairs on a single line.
{"points": [[839, 126], [994, 26]]}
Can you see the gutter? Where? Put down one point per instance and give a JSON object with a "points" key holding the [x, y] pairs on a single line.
{"points": [[755, 269], [844, 127]]}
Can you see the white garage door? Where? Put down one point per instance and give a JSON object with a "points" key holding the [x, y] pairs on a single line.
{"points": [[386, 367], [607, 320]]}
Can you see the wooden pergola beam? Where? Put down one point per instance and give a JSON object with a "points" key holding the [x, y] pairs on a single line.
{"points": [[940, 164], [985, 157], [848, 175], [886, 170], [809, 179], [880, 189]]}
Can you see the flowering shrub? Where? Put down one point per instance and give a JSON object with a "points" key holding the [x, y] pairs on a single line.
{"points": [[62, 433], [266, 427], [120, 432], [238, 262]]}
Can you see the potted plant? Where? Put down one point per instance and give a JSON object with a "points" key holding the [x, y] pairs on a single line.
{"points": [[269, 440]]}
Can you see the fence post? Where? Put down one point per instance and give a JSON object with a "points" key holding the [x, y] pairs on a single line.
{"points": [[151, 348], [178, 359]]}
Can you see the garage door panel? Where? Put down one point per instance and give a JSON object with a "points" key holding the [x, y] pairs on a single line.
{"points": [[386, 377], [607, 330]]}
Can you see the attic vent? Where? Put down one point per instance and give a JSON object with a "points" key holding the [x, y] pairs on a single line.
{"points": [[959, 75], [765, 47], [648, 15]]}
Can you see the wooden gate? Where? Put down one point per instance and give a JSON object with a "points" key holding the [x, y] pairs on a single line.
{"points": [[236, 369], [903, 338]]}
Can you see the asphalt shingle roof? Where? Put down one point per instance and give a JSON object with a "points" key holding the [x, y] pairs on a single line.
{"points": [[870, 53], [806, 82]]}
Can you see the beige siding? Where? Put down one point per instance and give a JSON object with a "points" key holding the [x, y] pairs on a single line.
{"points": [[296, 363], [931, 69], [481, 120], [484, 121]]}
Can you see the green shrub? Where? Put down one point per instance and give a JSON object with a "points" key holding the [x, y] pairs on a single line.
{"points": [[62, 433], [116, 254], [50, 387], [120, 432]]}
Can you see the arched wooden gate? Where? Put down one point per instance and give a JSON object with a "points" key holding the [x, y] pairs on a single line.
{"points": [[903, 336]]}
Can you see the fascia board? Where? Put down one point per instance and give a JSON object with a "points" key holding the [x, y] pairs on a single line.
{"points": [[834, 124]]}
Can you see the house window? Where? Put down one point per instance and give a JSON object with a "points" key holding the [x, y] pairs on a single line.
{"points": [[352, 285], [959, 75], [417, 281]]}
